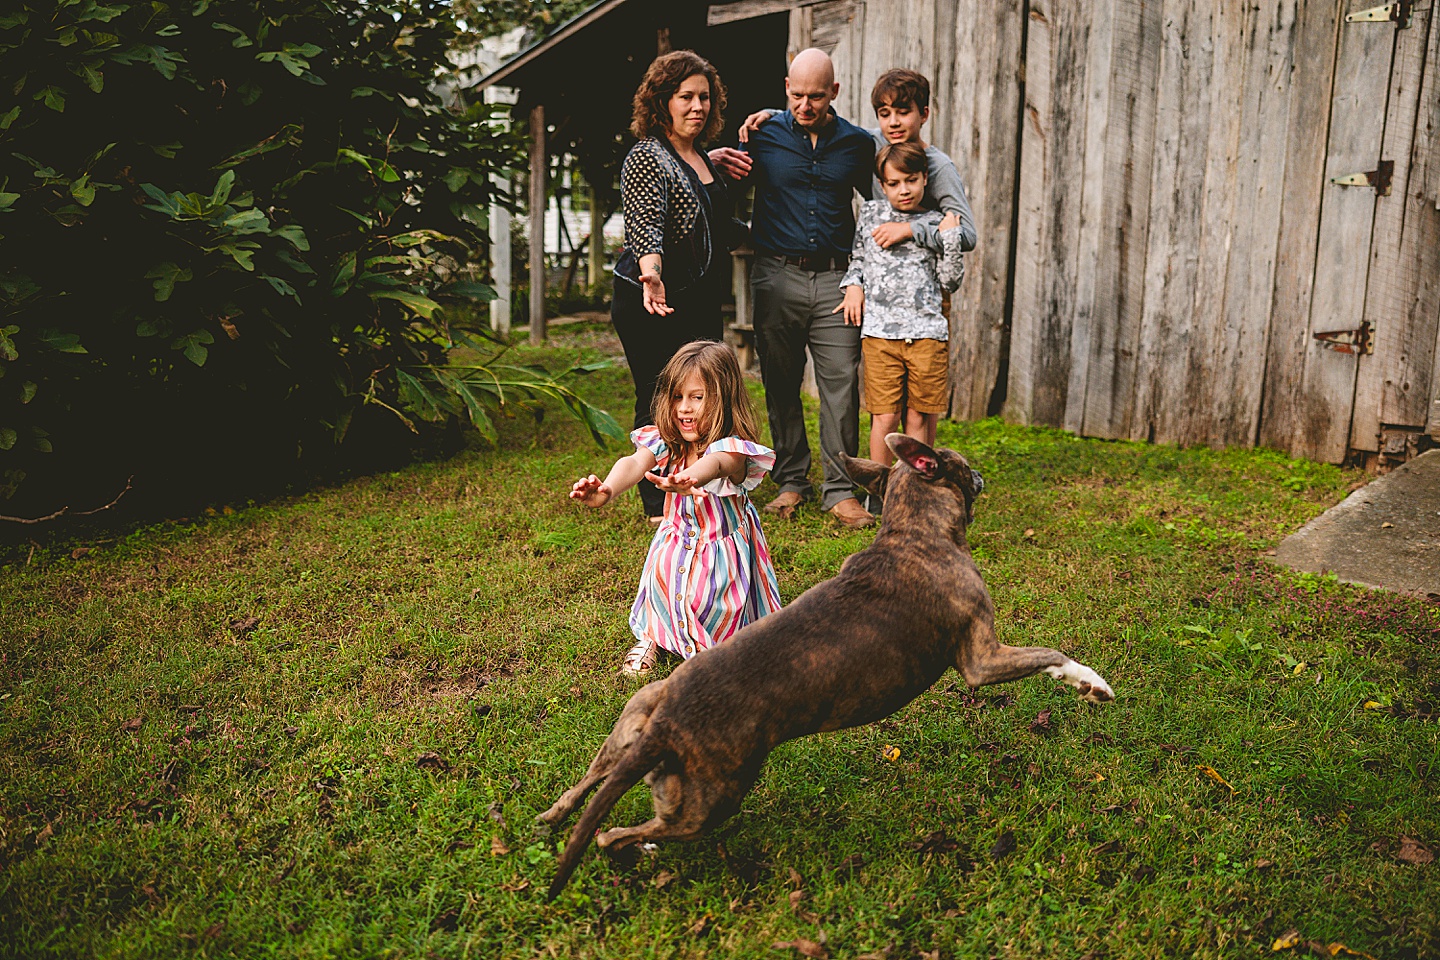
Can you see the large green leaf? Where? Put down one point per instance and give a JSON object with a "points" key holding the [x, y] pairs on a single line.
{"points": [[421, 305]]}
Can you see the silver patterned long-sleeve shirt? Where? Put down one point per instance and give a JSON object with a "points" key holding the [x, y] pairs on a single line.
{"points": [[903, 285]]}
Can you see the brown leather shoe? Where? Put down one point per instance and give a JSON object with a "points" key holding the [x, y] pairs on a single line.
{"points": [[784, 505], [851, 514]]}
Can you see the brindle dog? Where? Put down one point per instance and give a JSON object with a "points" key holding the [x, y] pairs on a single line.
{"points": [[848, 651]]}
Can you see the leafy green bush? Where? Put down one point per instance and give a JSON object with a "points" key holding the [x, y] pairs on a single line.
{"points": [[232, 227]]}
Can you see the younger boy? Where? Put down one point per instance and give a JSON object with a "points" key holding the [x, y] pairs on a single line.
{"points": [[894, 293], [901, 100]]}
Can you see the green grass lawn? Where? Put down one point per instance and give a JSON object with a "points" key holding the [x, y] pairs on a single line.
{"points": [[322, 727]]}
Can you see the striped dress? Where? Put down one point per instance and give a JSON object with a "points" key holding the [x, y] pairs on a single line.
{"points": [[708, 572]]}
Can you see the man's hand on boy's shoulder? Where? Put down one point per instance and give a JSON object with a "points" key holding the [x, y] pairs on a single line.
{"points": [[948, 222], [752, 123]]}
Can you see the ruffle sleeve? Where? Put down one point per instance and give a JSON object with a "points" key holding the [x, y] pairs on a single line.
{"points": [[758, 462], [648, 438]]}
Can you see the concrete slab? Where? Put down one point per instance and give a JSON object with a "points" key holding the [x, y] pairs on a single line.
{"points": [[1386, 534]]}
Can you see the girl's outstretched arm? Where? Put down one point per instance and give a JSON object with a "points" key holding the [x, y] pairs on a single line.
{"points": [[594, 492], [709, 467]]}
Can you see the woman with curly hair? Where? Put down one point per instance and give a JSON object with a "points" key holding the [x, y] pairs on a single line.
{"points": [[677, 211]]}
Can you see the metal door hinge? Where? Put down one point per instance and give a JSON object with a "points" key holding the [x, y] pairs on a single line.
{"points": [[1397, 13], [1360, 340], [1379, 178]]}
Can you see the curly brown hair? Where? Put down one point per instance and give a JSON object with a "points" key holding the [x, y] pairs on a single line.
{"points": [[650, 112]]}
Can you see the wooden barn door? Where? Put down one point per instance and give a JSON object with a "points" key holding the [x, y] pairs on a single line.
{"points": [[1398, 383], [1360, 269]]}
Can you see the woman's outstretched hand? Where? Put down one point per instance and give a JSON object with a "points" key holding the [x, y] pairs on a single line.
{"points": [[654, 295], [591, 491]]}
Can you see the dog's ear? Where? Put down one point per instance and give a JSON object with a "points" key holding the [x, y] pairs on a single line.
{"points": [[867, 473], [921, 458]]}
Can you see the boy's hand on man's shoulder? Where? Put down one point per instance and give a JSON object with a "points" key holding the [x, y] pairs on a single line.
{"points": [[889, 234], [752, 123]]}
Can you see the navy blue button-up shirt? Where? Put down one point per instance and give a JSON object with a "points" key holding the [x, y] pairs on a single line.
{"points": [[803, 192]]}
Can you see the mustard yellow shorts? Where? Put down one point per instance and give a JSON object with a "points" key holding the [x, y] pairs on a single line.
{"points": [[913, 373]]}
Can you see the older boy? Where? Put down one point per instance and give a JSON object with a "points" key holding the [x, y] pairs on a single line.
{"points": [[901, 100], [895, 293]]}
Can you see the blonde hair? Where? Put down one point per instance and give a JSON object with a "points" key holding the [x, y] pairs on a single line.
{"points": [[727, 412]]}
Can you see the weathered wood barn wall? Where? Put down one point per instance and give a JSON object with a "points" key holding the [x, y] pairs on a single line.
{"points": [[1166, 249]]}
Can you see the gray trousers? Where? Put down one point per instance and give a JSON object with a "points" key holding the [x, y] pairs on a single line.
{"points": [[793, 310]]}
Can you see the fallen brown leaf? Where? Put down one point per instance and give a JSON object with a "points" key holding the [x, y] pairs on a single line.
{"points": [[936, 842], [1041, 724], [662, 879], [1286, 940], [131, 725], [1413, 851], [806, 948], [498, 847], [243, 626], [1004, 845], [46, 832], [494, 813], [699, 926], [79, 552], [516, 886], [430, 760]]}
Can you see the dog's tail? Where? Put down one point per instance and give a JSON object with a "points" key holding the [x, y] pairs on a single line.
{"points": [[642, 758]]}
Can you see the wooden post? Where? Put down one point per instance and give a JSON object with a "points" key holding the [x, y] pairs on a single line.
{"points": [[597, 241], [500, 265], [501, 254], [537, 224]]}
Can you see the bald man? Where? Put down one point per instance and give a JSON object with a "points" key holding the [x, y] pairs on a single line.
{"points": [[806, 165]]}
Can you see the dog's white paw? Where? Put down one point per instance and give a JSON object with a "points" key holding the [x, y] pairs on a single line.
{"points": [[1091, 685]]}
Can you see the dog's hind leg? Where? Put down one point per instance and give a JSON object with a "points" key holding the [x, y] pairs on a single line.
{"points": [[984, 661], [627, 730]]}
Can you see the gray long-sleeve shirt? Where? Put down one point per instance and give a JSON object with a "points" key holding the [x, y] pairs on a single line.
{"points": [[944, 191], [902, 284]]}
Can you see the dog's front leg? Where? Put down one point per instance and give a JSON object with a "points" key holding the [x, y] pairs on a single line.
{"points": [[984, 661]]}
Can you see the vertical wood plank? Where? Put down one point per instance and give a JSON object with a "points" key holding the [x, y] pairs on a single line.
{"points": [[1094, 108], [1404, 279], [1209, 371], [1026, 333], [984, 103], [799, 37], [1284, 412], [1357, 126], [1237, 364], [838, 28], [1124, 219], [537, 224], [1177, 188], [596, 254]]}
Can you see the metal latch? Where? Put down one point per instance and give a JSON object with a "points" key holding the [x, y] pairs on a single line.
{"points": [[1379, 178], [1397, 13], [1349, 341]]}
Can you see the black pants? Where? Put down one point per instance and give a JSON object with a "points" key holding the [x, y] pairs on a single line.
{"points": [[650, 341]]}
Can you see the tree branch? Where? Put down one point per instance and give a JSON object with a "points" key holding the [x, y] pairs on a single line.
{"points": [[63, 511]]}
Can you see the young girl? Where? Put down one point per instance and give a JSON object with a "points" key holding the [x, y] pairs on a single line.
{"points": [[708, 572]]}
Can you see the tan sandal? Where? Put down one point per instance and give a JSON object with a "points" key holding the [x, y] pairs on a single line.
{"points": [[641, 658]]}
